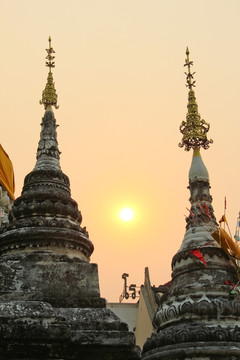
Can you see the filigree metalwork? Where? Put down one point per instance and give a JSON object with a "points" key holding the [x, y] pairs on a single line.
{"points": [[194, 129], [190, 82], [49, 95]]}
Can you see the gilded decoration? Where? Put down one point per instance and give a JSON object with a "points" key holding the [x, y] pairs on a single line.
{"points": [[194, 129], [49, 95]]}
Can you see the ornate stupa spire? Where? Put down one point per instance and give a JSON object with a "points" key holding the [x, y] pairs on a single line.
{"points": [[199, 317], [49, 95], [45, 209], [194, 129], [48, 154], [50, 303]]}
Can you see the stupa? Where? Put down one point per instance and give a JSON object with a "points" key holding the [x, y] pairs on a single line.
{"points": [[50, 304], [200, 318]]}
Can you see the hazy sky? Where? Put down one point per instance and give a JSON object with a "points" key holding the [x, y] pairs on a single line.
{"points": [[121, 87]]}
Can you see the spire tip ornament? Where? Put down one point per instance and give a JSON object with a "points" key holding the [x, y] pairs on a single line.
{"points": [[49, 95], [194, 129], [190, 81]]}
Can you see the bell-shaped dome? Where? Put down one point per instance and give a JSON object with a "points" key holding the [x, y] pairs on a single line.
{"points": [[198, 170]]}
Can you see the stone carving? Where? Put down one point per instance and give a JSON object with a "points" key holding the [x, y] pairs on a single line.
{"points": [[46, 207], [46, 204], [210, 251], [198, 307], [193, 333], [199, 316], [45, 261], [5, 206], [46, 174], [201, 208], [48, 138], [50, 304]]}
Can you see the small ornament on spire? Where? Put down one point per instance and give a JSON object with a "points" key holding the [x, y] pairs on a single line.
{"points": [[194, 129], [190, 82], [49, 95]]}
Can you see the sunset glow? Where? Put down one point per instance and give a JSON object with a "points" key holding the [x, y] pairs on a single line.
{"points": [[120, 81], [126, 214]]}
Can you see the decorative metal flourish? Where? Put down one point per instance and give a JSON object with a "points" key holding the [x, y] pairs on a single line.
{"points": [[194, 129], [190, 82], [49, 95]]}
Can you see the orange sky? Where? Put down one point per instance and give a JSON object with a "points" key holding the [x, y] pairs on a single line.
{"points": [[120, 81]]}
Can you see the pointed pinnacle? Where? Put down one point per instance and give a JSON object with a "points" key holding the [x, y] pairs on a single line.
{"points": [[189, 79], [194, 129], [49, 95]]}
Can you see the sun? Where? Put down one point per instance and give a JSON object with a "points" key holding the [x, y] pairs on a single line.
{"points": [[126, 214]]}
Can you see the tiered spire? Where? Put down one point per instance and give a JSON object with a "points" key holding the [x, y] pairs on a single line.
{"points": [[194, 129], [48, 153], [50, 304], [46, 196], [49, 95], [199, 317]]}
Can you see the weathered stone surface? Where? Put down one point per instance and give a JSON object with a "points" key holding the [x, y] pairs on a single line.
{"points": [[45, 204], [50, 304], [199, 317], [45, 276], [35, 330]]}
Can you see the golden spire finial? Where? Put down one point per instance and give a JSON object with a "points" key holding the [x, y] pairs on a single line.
{"points": [[190, 82], [194, 129], [49, 95]]}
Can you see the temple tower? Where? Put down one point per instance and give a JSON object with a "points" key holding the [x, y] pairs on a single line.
{"points": [[200, 317], [50, 304]]}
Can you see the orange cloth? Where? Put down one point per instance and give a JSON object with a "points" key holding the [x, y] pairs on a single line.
{"points": [[6, 173], [229, 246]]}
